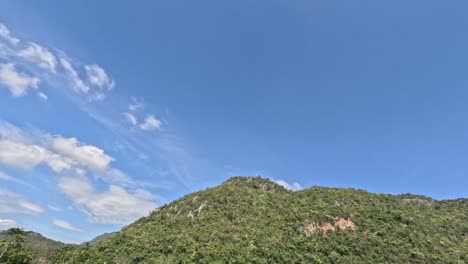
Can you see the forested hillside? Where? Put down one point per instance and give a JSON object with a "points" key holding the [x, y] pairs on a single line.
{"points": [[254, 220], [18, 246]]}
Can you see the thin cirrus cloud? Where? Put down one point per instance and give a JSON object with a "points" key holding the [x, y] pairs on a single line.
{"points": [[39, 55], [13, 203], [73, 162], [5, 177], [25, 65], [7, 223], [5, 33], [66, 225], [54, 208]]}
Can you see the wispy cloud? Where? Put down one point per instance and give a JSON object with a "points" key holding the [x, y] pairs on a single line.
{"points": [[54, 208], [66, 225], [84, 84], [150, 123], [131, 118], [12, 203], [73, 162], [164, 155], [41, 65], [43, 96], [5, 34], [6, 177], [135, 114], [39, 55], [98, 77], [21, 149], [114, 206], [17, 82], [7, 223]]}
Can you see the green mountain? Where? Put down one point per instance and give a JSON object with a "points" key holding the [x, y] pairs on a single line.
{"points": [[99, 238], [254, 220], [40, 247]]}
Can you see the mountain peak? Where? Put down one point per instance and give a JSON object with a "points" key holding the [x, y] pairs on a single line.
{"points": [[255, 220], [254, 182]]}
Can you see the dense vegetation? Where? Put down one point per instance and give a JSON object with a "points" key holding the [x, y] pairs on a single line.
{"points": [[18, 246], [253, 220]]}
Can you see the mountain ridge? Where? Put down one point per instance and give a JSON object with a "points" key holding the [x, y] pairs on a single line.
{"points": [[251, 219]]}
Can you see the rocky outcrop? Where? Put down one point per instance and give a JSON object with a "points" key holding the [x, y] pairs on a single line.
{"points": [[325, 227]]}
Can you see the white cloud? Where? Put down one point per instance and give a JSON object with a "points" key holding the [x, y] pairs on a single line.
{"points": [[77, 83], [73, 160], [98, 77], [52, 66], [64, 154], [54, 208], [117, 176], [114, 206], [293, 187], [66, 225], [131, 118], [39, 55], [17, 82], [21, 155], [6, 177], [144, 194], [12, 203], [151, 123], [87, 155], [5, 33], [7, 223], [25, 150], [135, 105], [26, 156], [43, 96]]}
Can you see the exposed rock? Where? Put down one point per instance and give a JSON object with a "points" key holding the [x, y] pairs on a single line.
{"points": [[345, 223], [190, 215], [326, 227], [311, 228], [203, 205]]}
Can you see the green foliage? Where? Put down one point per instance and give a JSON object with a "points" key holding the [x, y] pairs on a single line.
{"points": [[253, 220], [34, 247], [13, 248]]}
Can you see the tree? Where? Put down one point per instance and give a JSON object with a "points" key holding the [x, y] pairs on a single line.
{"points": [[13, 248]]}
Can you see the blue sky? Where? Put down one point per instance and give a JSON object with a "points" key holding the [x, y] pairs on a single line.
{"points": [[109, 109]]}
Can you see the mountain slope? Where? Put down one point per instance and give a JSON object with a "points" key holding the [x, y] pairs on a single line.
{"points": [[254, 220], [42, 248]]}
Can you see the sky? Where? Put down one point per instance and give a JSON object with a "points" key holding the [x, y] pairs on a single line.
{"points": [[109, 109]]}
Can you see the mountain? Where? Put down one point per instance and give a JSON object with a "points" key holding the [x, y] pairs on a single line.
{"points": [[42, 248], [254, 220], [100, 238]]}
